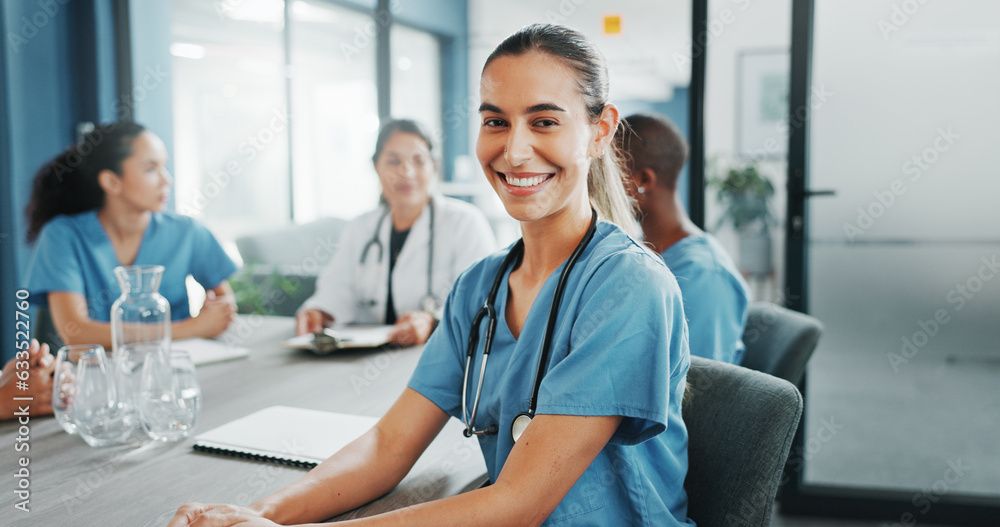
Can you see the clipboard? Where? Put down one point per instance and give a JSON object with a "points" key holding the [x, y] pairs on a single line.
{"points": [[345, 337]]}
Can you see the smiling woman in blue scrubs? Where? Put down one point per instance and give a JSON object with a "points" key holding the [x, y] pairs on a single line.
{"points": [[606, 444]]}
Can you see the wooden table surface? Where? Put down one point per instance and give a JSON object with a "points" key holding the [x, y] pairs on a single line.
{"points": [[143, 484]]}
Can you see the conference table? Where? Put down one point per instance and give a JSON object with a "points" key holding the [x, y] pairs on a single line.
{"points": [[144, 483]]}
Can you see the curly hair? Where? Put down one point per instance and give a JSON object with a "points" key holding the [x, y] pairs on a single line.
{"points": [[67, 184]]}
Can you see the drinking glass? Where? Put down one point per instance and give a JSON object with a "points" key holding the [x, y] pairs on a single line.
{"points": [[99, 419], [67, 359], [169, 397]]}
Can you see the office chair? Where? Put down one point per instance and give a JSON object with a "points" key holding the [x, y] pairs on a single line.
{"points": [[282, 264], [779, 341], [44, 329], [293, 245], [740, 427]]}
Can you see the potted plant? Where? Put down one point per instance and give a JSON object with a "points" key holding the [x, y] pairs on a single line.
{"points": [[260, 292], [746, 195]]}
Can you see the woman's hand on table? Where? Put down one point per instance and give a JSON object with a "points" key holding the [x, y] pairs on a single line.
{"points": [[412, 329], [39, 365], [311, 321], [217, 515], [215, 315]]}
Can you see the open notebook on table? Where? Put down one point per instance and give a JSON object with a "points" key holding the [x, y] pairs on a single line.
{"points": [[286, 435]]}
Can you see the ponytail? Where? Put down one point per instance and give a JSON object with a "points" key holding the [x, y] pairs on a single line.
{"points": [[606, 185], [68, 184]]}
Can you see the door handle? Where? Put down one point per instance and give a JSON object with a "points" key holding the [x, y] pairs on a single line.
{"points": [[814, 193]]}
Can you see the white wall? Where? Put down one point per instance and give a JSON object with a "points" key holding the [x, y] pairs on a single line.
{"points": [[639, 63]]}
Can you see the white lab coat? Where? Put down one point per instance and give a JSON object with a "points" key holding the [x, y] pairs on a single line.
{"points": [[355, 292]]}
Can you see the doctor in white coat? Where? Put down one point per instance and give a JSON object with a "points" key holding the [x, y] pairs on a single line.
{"points": [[397, 263]]}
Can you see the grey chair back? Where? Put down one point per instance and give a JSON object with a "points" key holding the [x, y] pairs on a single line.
{"points": [[44, 329], [740, 427], [779, 341], [281, 265], [293, 245]]}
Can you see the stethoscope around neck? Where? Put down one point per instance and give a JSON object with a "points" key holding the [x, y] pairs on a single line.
{"points": [[429, 302], [488, 311]]}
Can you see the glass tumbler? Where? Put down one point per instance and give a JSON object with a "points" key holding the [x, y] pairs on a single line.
{"points": [[169, 397], [67, 359], [99, 419]]}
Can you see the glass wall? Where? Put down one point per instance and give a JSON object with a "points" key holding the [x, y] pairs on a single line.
{"points": [[334, 99], [415, 60], [904, 389], [746, 125], [230, 115], [248, 83]]}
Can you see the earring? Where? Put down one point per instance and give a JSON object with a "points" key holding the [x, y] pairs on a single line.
{"points": [[642, 190]]}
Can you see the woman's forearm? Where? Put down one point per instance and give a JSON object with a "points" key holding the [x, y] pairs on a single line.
{"points": [[542, 467], [185, 329], [496, 505], [362, 471], [85, 332], [93, 332]]}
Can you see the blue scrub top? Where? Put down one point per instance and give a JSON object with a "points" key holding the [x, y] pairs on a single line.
{"points": [[74, 254], [715, 297], [620, 348]]}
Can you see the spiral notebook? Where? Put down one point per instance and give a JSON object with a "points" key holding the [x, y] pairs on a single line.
{"points": [[286, 435]]}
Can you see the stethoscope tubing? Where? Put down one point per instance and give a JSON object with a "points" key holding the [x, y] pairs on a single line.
{"points": [[377, 242], [554, 313], [489, 311]]}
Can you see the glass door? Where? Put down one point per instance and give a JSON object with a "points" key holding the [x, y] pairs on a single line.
{"points": [[903, 392]]}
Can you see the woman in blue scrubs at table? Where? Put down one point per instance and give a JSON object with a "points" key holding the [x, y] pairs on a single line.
{"points": [[606, 445], [99, 205]]}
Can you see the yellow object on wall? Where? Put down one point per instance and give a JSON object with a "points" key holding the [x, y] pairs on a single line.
{"points": [[612, 25]]}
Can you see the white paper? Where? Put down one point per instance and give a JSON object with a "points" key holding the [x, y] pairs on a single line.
{"points": [[363, 336], [206, 351]]}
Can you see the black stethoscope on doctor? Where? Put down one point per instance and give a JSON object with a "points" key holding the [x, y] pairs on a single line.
{"points": [[488, 311], [429, 302]]}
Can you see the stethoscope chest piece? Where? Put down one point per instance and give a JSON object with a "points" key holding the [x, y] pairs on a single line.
{"points": [[429, 304], [519, 425]]}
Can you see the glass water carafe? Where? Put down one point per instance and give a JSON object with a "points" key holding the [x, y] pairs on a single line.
{"points": [[140, 325]]}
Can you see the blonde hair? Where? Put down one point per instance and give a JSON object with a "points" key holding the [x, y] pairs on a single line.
{"points": [[605, 184], [605, 180]]}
